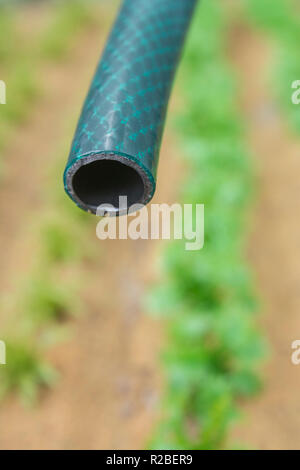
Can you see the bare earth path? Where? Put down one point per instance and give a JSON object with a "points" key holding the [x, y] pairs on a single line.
{"points": [[273, 419], [109, 386]]}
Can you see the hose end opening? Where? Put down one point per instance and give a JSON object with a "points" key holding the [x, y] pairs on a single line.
{"points": [[102, 179]]}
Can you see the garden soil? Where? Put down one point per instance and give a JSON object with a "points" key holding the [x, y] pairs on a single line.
{"points": [[272, 420]]}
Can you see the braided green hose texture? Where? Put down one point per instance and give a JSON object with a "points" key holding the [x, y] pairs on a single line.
{"points": [[116, 145]]}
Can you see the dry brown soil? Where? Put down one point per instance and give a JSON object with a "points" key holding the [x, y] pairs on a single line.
{"points": [[272, 421]]}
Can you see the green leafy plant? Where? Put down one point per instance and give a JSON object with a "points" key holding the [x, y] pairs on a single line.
{"points": [[47, 301], [281, 21], [214, 346], [58, 244], [41, 308], [25, 373], [8, 35], [21, 58], [70, 18]]}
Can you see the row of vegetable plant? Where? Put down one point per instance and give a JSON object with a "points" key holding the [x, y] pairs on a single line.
{"points": [[42, 302], [207, 298], [281, 20], [22, 56]]}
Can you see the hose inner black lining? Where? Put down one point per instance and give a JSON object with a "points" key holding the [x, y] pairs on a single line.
{"points": [[103, 181]]}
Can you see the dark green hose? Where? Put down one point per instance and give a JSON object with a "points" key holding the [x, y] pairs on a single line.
{"points": [[116, 145]]}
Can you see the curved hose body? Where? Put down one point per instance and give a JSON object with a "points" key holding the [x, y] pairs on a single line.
{"points": [[116, 145]]}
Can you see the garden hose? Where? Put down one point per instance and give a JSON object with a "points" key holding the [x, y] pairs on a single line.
{"points": [[116, 145]]}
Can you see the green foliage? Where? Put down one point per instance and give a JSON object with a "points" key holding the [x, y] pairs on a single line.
{"points": [[22, 92], [21, 58], [48, 301], [59, 244], [71, 17], [207, 297], [40, 308], [8, 36], [17, 71], [25, 372], [281, 20], [279, 17]]}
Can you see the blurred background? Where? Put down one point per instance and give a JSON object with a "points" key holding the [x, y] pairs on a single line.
{"points": [[141, 344]]}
